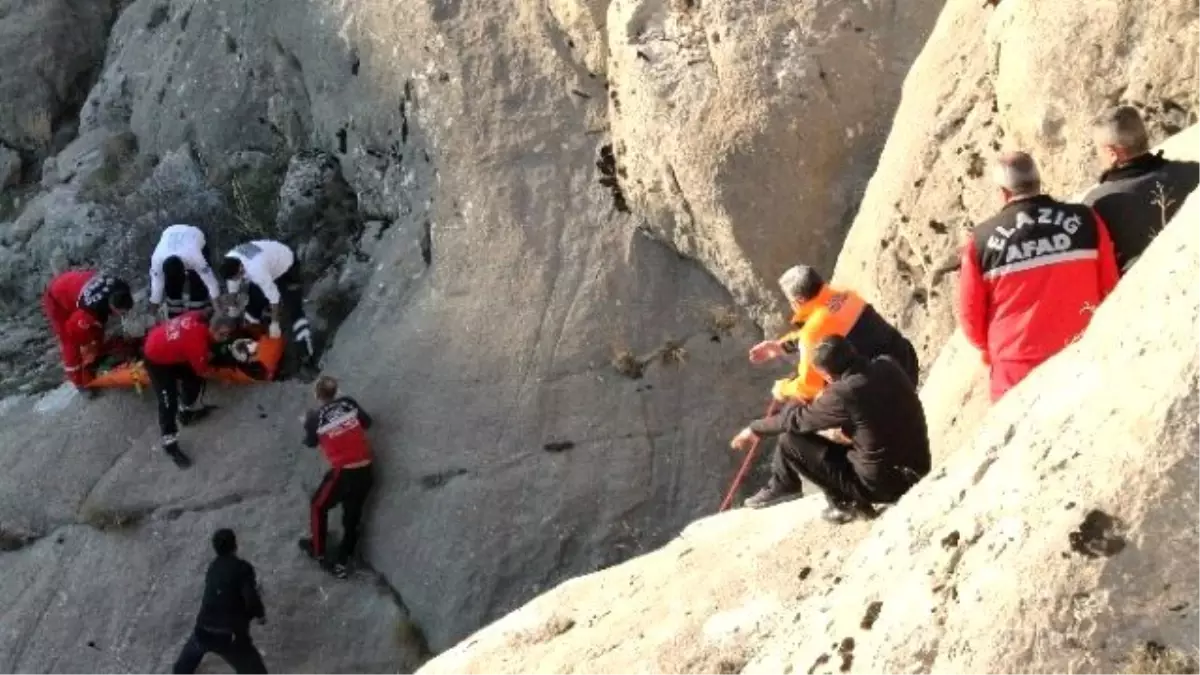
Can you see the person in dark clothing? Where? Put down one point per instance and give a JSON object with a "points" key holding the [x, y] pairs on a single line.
{"points": [[1140, 191], [339, 427], [231, 601], [876, 406]]}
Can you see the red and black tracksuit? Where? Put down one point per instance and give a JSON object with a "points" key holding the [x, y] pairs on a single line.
{"points": [[76, 304], [1031, 277], [177, 355], [339, 428]]}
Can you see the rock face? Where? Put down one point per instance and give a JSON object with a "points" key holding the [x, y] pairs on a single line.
{"points": [[50, 50], [107, 542], [1029, 88], [748, 132], [1059, 538]]}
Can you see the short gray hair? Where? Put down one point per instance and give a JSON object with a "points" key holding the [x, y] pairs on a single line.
{"points": [[801, 283], [1018, 173], [1122, 127]]}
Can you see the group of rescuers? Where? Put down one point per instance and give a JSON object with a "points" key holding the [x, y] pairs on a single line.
{"points": [[849, 421], [178, 353]]}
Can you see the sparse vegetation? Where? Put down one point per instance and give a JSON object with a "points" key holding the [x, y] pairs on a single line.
{"points": [[1153, 657], [110, 520], [627, 364], [672, 353], [722, 319], [1163, 202], [410, 636], [120, 172]]}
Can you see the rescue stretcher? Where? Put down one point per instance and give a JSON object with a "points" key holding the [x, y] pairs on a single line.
{"points": [[261, 367]]}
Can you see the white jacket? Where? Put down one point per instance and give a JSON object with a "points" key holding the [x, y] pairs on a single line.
{"points": [[186, 243], [263, 261]]}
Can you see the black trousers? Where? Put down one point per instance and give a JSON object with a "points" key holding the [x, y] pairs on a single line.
{"points": [[826, 465], [237, 649], [348, 487], [291, 300], [174, 385], [189, 296]]}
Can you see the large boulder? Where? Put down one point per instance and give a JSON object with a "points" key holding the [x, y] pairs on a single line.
{"points": [[104, 542], [746, 133], [1013, 76], [51, 51], [1062, 537]]}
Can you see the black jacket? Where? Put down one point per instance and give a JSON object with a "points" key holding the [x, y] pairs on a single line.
{"points": [[231, 597], [877, 406], [1126, 199]]}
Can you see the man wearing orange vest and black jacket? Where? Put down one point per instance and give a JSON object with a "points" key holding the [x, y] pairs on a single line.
{"points": [[339, 426], [821, 311], [1031, 275]]}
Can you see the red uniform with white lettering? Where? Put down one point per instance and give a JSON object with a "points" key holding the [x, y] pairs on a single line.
{"points": [[184, 339], [339, 427], [79, 332], [1031, 277]]}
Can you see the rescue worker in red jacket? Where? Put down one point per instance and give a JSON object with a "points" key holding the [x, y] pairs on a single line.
{"points": [[339, 427], [1031, 275], [78, 304], [177, 355]]}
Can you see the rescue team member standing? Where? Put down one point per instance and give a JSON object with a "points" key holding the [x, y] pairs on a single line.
{"points": [[339, 426], [177, 355], [270, 268], [1139, 192], [78, 304], [231, 600], [876, 405], [821, 310], [1031, 275], [179, 271]]}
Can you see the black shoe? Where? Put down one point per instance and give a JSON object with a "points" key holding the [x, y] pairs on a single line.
{"points": [[181, 460], [771, 495], [189, 417], [306, 545], [339, 570]]}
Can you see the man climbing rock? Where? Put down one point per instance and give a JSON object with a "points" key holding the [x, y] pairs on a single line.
{"points": [[231, 600], [179, 272], [1031, 275], [270, 269], [78, 304], [177, 359], [1139, 191], [339, 426], [820, 310], [876, 406]]}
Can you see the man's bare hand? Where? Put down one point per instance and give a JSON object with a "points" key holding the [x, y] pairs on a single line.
{"points": [[765, 351], [744, 440]]}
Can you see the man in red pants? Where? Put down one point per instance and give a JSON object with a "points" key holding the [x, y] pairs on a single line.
{"points": [[339, 426], [78, 304]]}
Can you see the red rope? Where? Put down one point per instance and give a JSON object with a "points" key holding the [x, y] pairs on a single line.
{"points": [[772, 407]]}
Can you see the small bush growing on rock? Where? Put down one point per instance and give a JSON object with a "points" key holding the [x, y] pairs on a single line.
{"points": [[627, 364], [672, 353], [722, 319], [109, 520], [1153, 657]]}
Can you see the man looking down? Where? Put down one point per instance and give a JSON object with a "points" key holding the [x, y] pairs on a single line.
{"points": [[876, 406], [177, 359], [820, 311]]}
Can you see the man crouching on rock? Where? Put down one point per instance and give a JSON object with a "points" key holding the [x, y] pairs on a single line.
{"points": [[876, 406]]}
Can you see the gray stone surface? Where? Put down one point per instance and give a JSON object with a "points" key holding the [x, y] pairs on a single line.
{"points": [[10, 167]]}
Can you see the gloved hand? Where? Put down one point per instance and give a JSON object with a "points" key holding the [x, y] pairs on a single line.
{"points": [[274, 331]]}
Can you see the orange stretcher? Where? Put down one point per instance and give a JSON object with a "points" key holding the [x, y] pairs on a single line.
{"points": [[133, 373]]}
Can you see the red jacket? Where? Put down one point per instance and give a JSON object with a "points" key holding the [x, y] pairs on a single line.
{"points": [[181, 340], [1031, 277], [80, 333], [339, 427]]}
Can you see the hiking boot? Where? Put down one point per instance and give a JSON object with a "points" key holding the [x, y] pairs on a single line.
{"points": [[189, 417], [181, 460], [771, 495], [339, 570]]}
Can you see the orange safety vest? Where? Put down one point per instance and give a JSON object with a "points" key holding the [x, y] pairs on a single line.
{"points": [[831, 312]]}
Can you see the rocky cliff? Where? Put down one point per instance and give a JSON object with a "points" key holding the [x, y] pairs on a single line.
{"points": [[1061, 537], [539, 239]]}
